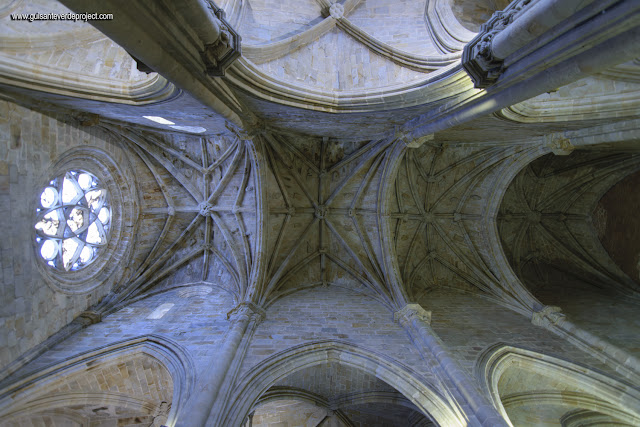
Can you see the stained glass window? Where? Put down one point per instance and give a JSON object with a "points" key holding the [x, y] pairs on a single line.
{"points": [[73, 220]]}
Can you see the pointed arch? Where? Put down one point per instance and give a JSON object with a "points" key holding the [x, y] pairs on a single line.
{"points": [[258, 380], [18, 398], [556, 382]]}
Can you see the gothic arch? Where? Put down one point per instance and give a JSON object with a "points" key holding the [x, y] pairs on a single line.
{"points": [[517, 378], [57, 403], [258, 380], [335, 408], [568, 267], [496, 253], [17, 399]]}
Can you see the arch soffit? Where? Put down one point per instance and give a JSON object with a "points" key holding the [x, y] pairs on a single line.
{"points": [[498, 257], [47, 403], [591, 389], [359, 398], [258, 380], [275, 394], [171, 356]]}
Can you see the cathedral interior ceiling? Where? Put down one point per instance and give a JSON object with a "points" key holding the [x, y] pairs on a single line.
{"points": [[208, 210], [274, 215], [435, 208], [267, 215], [547, 214], [305, 177]]}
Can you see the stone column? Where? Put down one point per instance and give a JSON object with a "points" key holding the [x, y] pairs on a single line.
{"points": [[621, 361], [526, 26], [243, 319], [417, 322]]}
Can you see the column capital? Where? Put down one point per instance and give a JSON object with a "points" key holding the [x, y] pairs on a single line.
{"points": [[548, 315], [247, 309], [412, 311]]}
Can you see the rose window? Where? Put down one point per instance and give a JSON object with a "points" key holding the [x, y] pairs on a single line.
{"points": [[73, 221]]}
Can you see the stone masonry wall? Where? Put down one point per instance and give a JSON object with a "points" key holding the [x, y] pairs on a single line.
{"points": [[197, 322], [332, 314], [469, 324], [31, 311], [603, 313]]}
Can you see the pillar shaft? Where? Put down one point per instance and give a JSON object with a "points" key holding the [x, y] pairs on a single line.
{"points": [[199, 406], [417, 323]]}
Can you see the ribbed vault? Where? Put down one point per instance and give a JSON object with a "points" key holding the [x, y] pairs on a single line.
{"points": [[440, 216], [205, 195], [323, 224], [546, 219]]}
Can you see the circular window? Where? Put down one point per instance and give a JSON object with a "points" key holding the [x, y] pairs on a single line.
{"points": [[85, 215], [73, 220]]}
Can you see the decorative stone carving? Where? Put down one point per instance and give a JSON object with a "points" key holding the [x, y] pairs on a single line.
{"points": [[413, 143], [412, 311], [205, 208], [219, 55], [89, 317], [336, 10], [560, 145], [247, 309], [321, 212], [478, 58], [115, 248], [549, 315]]}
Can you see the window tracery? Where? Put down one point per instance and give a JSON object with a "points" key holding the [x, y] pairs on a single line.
{"points": [[73, 220]]}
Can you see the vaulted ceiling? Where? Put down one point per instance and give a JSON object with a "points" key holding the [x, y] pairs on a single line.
{"points": [[314, 167], [547, 219]]}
